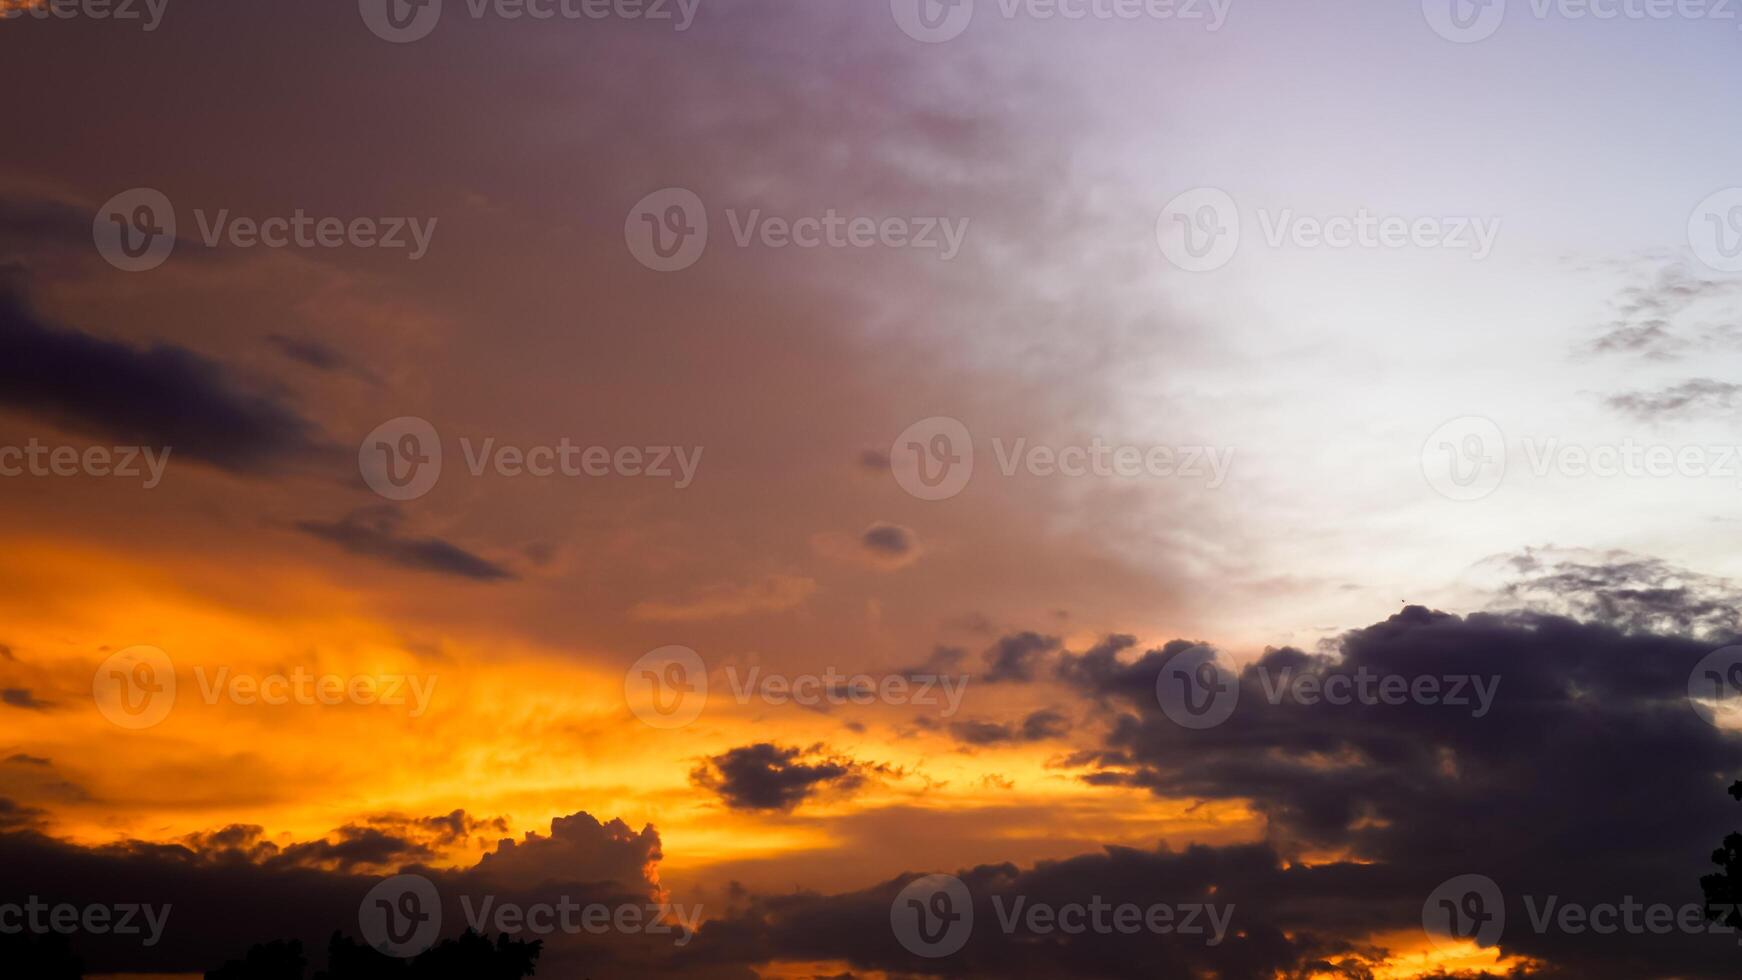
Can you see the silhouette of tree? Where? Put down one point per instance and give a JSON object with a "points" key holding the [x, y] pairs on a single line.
{"points": [[44, 957], [465, 957], [268, 961], [1724, 889]]}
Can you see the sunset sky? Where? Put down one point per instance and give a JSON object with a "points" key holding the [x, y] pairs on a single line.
{"points": [[768, 419]]}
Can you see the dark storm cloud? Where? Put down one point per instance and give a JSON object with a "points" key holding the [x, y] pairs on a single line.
{"points": [[1247, 883], [764, 776], [1676, 400], [374, 533], [1016, 657], [28, 760], [157, 396], [1590, 777]]}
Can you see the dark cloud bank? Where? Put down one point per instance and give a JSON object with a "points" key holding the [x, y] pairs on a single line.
{"points": [[1588, 778]]}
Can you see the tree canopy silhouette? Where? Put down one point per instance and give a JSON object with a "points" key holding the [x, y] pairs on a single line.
{"points": [[40, 957], [1724, 888]]}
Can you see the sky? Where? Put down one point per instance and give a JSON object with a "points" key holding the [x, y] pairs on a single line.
{"points": [[754, 459]]}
